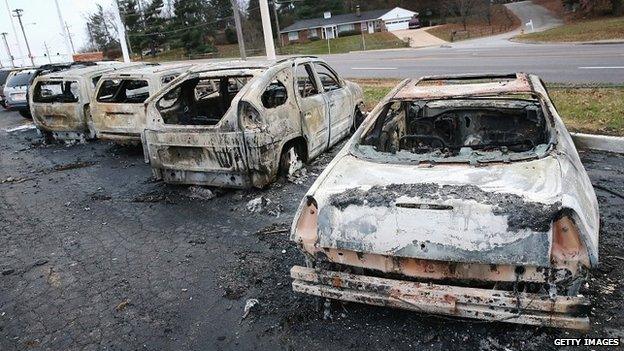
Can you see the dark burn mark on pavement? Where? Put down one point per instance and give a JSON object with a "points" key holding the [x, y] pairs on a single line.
{"points": [[520, 213]]}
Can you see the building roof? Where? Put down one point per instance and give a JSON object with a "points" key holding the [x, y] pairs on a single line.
{"points": [[335, 20]]}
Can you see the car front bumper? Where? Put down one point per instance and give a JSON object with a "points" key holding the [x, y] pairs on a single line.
{"points": [[492, 305]]}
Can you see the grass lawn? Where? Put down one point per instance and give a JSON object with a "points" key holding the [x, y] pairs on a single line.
{"points": [[503, 21], [590, 30], [588, 110], [374, 41]]}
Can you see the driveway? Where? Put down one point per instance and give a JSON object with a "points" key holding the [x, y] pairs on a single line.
{"points": [[419, 37], [526, 11]]}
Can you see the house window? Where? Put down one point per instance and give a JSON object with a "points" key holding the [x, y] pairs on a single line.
{"points": [[346, 28], [292, 36], [313, 33]]}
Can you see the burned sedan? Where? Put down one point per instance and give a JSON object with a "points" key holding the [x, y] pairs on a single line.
{"points": [[117, 111], [459, 195], [238, 124]]}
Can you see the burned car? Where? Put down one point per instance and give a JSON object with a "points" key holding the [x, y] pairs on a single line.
{"points": [[460, 195], [117, 111], [60, 101], [238, 124]]}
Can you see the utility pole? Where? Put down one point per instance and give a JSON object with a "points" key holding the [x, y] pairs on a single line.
{"points": [[71, 42], [122, 33], [45, 45], [69, 46], [8, 49], [277, 26], [18, 14], [239, 30], [266, 28], [17, 42]]}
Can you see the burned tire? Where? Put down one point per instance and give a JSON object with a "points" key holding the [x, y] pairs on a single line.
{"points": [[358, 118], [48, 137], [290, 160], [25, 113]]}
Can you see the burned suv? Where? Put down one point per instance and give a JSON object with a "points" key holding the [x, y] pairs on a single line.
{"points": [[460, 195], [237, 124]]}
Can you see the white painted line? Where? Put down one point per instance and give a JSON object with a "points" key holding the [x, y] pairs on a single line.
{"points": [[373, 68], [20, 128], [602, 67]]}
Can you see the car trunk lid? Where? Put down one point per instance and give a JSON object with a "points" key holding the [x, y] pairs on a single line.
{"points": [[496, 214]]}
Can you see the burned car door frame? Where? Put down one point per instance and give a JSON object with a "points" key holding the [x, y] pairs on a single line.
{"points": [[315, 119]]}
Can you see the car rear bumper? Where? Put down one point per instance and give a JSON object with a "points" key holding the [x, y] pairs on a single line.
{"points": [[16, 106], [119, 137], [492, 305]]}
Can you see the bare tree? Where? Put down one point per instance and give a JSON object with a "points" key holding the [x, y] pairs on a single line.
{"points": [[463, 9]]}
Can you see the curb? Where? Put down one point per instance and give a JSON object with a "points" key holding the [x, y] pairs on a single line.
{"points": [[599, 142]]}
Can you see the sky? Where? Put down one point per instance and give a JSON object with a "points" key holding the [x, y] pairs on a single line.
{"points": [[42, 25]]}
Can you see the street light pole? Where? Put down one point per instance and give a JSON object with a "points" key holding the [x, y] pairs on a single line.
{"points": [[239, 30], [69, 46], [269, 45], [17, 42], [277, 26], [8, 49], [18, 14], [122, 33]]}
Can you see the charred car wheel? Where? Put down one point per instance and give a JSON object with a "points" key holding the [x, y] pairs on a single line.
{"points": [[290, 160], [25, 114]]}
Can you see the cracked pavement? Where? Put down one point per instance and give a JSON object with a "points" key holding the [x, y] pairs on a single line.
{"points": [[94, 255]]}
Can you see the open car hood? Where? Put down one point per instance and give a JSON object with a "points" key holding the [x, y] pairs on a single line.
{"points": [[494, 214]]}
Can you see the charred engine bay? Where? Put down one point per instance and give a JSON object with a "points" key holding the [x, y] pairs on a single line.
{"points": [[456, 130], [86, 265]]}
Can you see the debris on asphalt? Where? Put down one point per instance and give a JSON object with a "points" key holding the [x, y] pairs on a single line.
{"points": [[122, 305], [152, 197], [262, 204], [14, 180], [249, 304], [298, 177], [73, 165], [40, 262], [201, 193], [8, 271]]}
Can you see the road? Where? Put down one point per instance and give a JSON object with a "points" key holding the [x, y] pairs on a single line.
{"points": [[95, 255], [575, 63]]}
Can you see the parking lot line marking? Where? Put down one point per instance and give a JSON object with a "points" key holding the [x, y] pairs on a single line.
{"points": [[373, 68], [602, 67], [20, 128]]}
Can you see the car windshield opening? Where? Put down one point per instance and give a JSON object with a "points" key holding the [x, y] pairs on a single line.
{"points": [[201, 101], [56, 91], [123, 91], [456, 128]]}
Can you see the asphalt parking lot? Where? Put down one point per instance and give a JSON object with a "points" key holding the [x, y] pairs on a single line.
{"points": [[95, 255]]}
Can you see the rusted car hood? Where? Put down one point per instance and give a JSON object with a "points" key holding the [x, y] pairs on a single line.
{"points": [[495, 214]]}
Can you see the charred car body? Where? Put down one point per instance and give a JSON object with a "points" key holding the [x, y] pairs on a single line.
{"points": [[60, 101], [237, 124], [118, 111], [465, 196]]}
